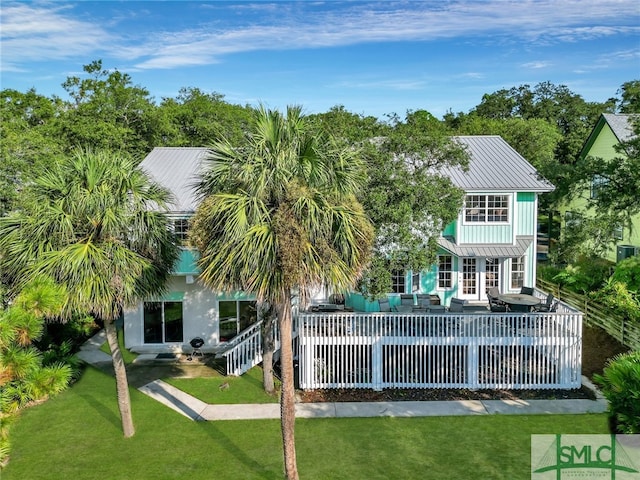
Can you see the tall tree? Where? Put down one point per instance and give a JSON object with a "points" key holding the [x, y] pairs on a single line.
{"points": [[406, 196], [24, 376], [29, 124], [629, 97], [108, 112], [196, 118], [91, 223], [279, 214]]}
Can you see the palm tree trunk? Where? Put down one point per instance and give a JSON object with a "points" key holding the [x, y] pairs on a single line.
{"points": [[122, 385], [287, 397], [268, 347]]}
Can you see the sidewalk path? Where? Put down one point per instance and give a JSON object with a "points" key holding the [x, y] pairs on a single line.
{"points": [[196, 409]]}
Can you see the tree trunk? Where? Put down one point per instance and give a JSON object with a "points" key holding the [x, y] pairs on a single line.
{"points": [[122, 385], [287, 396], [268, 347]]}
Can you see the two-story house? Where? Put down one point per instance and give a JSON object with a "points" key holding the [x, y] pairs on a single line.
{"points": [[493, 241], [491, 244], [610, 130]]}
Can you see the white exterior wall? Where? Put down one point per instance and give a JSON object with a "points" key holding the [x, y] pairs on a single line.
{"points": [[200, 319]]}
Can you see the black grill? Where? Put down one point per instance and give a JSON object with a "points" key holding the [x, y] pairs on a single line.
{"points": [[197, 344]]}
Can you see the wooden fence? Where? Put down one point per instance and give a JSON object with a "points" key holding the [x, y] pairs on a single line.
{"points": [[625, 331], [415, 350]]}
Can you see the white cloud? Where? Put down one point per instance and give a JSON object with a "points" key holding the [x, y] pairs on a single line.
{"points": [[31, 32], [50, 31], [537, 65]]}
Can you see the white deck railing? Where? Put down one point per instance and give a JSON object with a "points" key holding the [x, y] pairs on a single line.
{"points": [[450, 350]]}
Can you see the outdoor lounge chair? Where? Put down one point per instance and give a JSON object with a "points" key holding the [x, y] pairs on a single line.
{"points": [[384, 305], [456, 305]]}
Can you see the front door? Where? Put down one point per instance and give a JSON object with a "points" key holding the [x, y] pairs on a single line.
{"points": [[477, 275]]}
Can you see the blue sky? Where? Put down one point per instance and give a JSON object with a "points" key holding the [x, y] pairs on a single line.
{"points": [[374, 58]]}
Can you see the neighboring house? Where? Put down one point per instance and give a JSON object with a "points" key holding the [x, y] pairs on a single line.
{"points": [[492, 243], [610, 130]]}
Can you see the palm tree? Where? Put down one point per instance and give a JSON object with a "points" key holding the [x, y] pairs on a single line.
{"points": [[92, 223], [279, 213]]}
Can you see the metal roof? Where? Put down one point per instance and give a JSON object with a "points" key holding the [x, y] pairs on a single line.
{"points": [[178, 169], [621, 125], [485, 249], [495, 166]]}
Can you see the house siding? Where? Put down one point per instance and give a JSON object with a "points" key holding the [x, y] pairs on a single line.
{"points": [[601, 144], [200, 314]]}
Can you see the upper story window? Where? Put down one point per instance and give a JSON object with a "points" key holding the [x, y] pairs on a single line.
{"points": [[445, 271], [596, 183], [181, 230], [398, 281], [486, 209]]}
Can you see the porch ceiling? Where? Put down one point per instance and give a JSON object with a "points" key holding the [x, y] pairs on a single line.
{"points": [[486, 249]]}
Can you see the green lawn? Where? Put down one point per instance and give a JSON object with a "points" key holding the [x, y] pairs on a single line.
{"points": [[244, 389], [77, 436]]}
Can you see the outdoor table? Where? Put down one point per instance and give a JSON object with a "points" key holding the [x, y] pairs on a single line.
{"points": [[519, 299]]}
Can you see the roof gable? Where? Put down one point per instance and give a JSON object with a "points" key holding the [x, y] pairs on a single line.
{"points": [[495, 166], [621, 126]]}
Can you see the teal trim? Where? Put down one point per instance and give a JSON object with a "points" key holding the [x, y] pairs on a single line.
{"points": [[187, 263], [526, 197], [450, 230], [169, 297]]}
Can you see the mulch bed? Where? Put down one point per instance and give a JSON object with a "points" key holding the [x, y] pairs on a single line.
{"points": [[597, 348], [418, 394]]}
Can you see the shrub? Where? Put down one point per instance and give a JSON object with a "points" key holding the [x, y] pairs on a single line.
{"points": [[620, 383], [628, 272]]}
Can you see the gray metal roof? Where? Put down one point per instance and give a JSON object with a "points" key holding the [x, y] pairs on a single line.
{"points": [[485, 249], [621, 125], [494, 165], [178, 169]]}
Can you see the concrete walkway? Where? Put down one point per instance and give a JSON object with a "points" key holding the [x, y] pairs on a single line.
{"points": [[196, 409]]}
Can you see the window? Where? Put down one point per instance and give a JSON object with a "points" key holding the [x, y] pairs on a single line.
{"points": [[597, 182], [235, 316], [572, 219], [618, 232], [517, 272], [398, 281], [445, 271], [163, 322], [180, 230], [486, 209]]}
